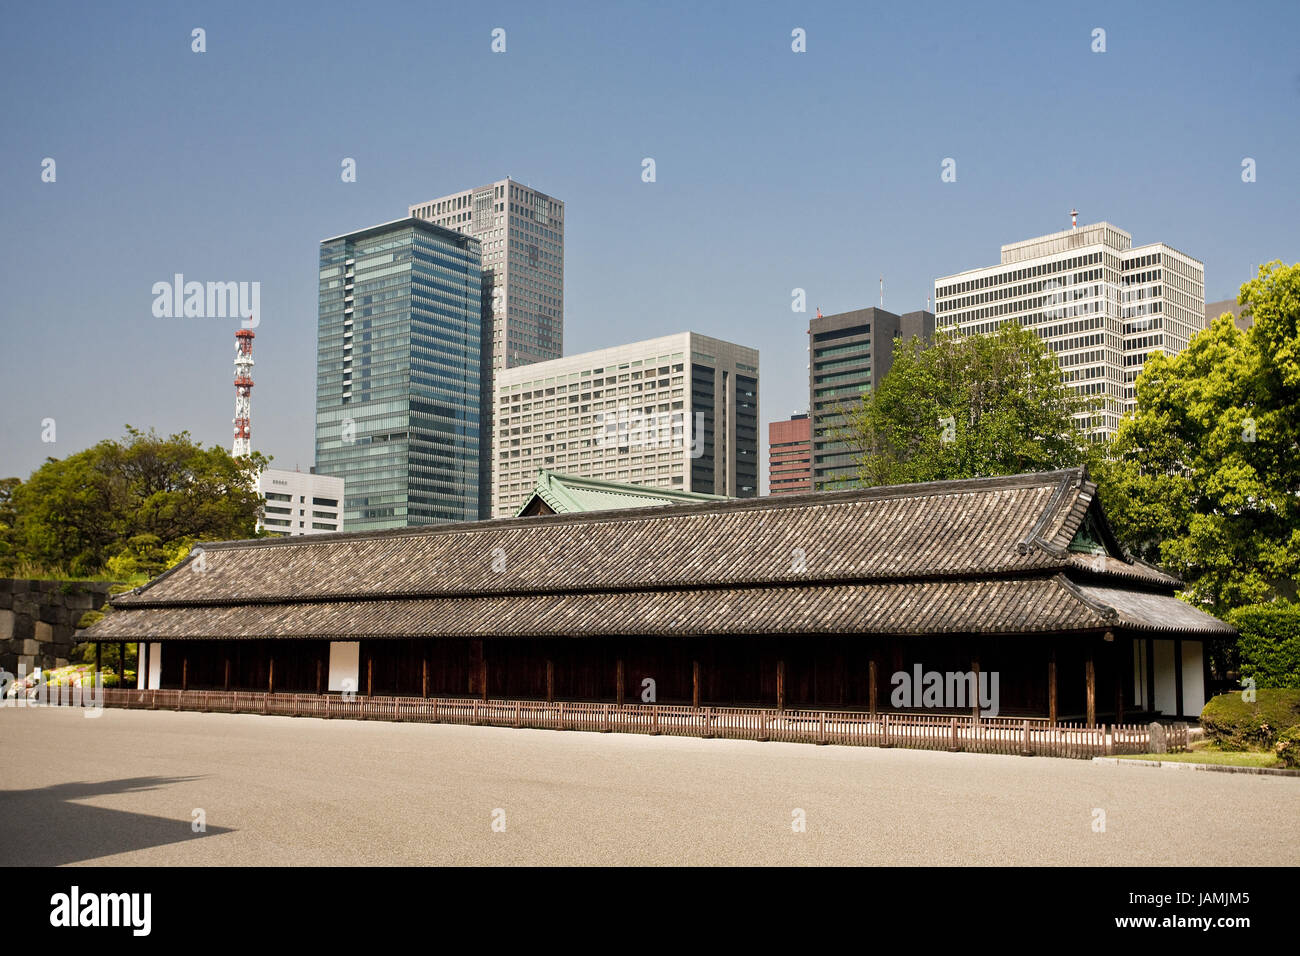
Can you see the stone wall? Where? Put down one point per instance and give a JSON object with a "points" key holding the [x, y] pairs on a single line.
{"points": [[38, 620]]}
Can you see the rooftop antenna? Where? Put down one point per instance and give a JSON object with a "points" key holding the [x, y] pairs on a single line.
{"points": [[882, 291], [1074, 219]]}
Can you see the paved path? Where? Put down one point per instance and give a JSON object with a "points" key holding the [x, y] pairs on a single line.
{"points": [[122, 789]]}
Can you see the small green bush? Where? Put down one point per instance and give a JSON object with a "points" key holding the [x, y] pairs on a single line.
{"points": [[1269, 642], [1236, 724], [89, 618], [1288, 747]]}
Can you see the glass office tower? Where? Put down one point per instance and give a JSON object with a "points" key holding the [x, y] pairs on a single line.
{"points": [[522, 232], [397, 373]]}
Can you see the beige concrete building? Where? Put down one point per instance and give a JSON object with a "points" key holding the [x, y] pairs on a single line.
{"points": [[1100, 303], [677, 412]]}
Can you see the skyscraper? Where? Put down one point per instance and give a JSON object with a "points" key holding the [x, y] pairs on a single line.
{"points": [[522, 235], [397, 373], [1099, 303], [677, 412], [848, 354]]}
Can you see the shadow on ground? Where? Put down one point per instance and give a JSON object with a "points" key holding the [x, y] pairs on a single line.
{"points": [[73, 832]]}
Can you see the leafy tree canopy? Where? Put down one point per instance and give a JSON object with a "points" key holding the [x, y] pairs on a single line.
{"points": [[1205, 477], [133, 505], [968, 407]]}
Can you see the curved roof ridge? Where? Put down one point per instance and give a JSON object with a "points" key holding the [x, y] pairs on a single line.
{"points": [[952, 529], [762, 503]]}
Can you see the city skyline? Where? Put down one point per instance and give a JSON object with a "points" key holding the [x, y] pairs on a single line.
{"points": [[735, 120]]}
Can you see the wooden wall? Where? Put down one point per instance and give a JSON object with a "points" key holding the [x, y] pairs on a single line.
{"points": [[818, 672]]}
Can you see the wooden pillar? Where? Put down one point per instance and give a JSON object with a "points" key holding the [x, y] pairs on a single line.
{"points": [[618, 681], [270, 674], [483, 672], [975, 704], [695, 683], [780, 685], [142, 663], [227, 684], [185, 672], [1178, 676], [319, 668], [1051, 686], [550, 681], [121, 665], [99, 658], [1090, 679], [370, 676], [1151, 675], [871, 686], [1120, 681], [424, 672]]}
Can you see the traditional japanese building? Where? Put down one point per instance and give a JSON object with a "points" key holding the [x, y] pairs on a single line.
{"points": [[558, 494], [813, 600]]}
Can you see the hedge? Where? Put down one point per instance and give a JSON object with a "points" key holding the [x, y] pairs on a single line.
{"points": [[1236, 724], [1288, 748], [1269, 643]]}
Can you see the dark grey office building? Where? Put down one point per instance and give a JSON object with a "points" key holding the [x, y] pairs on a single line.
{"points": [[848, 353]]}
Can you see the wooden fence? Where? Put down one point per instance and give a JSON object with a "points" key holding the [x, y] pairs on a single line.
{"points": [[1024, 736]]}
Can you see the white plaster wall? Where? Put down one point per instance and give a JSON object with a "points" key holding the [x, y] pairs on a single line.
{"points": [[345, 660], [1166, 690], [1193, 677], [153, 678], [1140, 674]]}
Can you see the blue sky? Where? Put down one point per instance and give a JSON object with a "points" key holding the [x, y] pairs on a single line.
{"points": [[775, 170]]}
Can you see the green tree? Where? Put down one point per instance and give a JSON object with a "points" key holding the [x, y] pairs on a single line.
{"points": [[8, 516], [967, 407], [1206, 475], [139, 501]]}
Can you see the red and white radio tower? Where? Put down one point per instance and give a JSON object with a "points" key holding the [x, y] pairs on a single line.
{"points": [[243, 393]]}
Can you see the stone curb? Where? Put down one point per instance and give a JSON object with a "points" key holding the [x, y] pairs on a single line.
{"points": [[1180, 765]]}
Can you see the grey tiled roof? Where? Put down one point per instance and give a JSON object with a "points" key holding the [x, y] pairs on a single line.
{"points": [[977, 555], [1017, 605]]}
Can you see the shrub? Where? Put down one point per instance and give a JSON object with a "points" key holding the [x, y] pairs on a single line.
{"points": [[89, 618], [1288, 747], [1269, 643], [1236, 724]]}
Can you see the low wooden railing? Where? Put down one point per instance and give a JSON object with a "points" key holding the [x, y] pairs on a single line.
{"points": [[1004, 735]]}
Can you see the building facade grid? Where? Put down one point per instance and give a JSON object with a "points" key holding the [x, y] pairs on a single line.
{"points": [[397, 378], [678, 412], [1098, 303]]}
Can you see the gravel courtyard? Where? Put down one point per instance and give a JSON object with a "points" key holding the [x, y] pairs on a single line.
{"points": [[123, 788]]}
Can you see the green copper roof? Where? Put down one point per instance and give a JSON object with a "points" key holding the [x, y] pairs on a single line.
{"points": [[567, 494]]}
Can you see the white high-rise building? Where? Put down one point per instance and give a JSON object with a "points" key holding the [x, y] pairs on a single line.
{"points": [[678, 412], [298, 503], [1101, 304]]}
